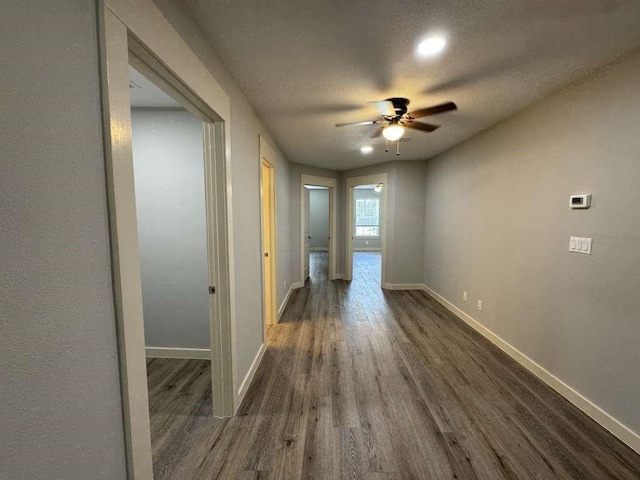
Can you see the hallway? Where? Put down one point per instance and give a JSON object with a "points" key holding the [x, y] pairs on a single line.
{"points": [[361, 383]]}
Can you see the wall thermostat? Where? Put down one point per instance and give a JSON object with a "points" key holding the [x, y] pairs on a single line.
{"points": [[580, 201]]}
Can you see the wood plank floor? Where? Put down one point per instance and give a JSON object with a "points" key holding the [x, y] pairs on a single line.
{"points": [[360, 383]]}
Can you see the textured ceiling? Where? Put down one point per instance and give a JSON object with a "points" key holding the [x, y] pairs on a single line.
{"points": [[308, 64]]}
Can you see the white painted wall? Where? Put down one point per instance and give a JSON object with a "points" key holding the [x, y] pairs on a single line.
{"points": [[319, 219], [246, 128], [168, 160], [498, 226], [369, 244], [60, 413]]}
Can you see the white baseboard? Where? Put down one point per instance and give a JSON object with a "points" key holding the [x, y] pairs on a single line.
{"points": [[188, 353], [624, 433], [402, 286], [244, 386], [283, 305], [319, 249]]}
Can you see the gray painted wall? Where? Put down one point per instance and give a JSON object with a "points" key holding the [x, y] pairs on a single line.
{"points": [[61, 411], [369, 243], [319, 219], [245, 174], [168, 160], [498, 226]]}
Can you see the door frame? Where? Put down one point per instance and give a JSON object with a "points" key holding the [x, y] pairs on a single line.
{"points": [[350, 184], [332, 185], [136, 31], [267, 160]]}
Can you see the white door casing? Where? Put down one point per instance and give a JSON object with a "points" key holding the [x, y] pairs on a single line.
{"points": [[138, 28], [306, 236]]}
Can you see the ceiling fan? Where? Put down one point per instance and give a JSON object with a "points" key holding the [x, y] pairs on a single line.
{"points": [[395, 118]]}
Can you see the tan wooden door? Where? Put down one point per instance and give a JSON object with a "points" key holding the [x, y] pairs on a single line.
{"points": [[268, 242]]}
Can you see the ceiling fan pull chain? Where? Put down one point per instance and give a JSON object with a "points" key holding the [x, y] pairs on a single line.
{"points": [[386, 145], [398, 147]]}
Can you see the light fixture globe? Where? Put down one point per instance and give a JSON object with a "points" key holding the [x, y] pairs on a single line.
{"points": [[431, 46], [393, 132]]}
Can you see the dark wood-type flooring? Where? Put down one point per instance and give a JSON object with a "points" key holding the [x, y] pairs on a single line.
{"points": [[359, 383]]}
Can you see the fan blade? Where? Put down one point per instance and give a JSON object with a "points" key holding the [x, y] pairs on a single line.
{"points": [[385, 108], [423, 127], [425, 112], [370, 122]]}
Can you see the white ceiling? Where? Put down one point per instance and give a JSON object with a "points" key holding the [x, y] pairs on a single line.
{"points": [[145, 94], [308, 64]]}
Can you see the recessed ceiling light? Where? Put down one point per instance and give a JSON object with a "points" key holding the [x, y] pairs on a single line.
{"points": [[366, 149], [431, 46]]}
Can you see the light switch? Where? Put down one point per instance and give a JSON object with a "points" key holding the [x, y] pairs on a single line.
{"points": [[580, 245]]}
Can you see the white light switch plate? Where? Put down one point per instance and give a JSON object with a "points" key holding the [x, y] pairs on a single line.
{"points": [[580, 245]]}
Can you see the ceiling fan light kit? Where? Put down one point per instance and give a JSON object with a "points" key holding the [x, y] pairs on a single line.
{"points": [[395, 119], [393, 132]]}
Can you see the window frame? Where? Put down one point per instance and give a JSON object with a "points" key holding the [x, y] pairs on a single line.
{"points": [[355, 220]]}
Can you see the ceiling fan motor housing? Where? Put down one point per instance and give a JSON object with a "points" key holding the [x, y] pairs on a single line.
{"points": [[399, 105]]}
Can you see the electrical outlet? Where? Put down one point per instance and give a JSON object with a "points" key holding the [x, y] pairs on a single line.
{"points": [[464, 296], [479, 305]]}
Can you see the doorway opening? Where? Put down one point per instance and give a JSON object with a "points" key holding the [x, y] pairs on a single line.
{"points": [[317, 233], [318, 225], [171, 210], [366, 206], [169, 174]]}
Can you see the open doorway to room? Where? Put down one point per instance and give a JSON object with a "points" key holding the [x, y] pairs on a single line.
{"points": [[366, 200], [317, 230], [367, 233], [318, 225], [171, 209]]}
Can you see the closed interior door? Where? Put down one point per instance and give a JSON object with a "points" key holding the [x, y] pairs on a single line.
{"points": [[306, 234], [268, 242]]}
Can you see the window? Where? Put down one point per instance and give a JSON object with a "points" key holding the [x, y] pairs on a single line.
{"points": [[367, 217]]}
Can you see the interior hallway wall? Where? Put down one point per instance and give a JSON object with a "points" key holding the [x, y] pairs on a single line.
{"points": [[168, 159], [319, 219], [61, 411], [246, 128], [498, 225]]}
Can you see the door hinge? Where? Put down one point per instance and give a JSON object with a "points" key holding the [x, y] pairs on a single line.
{"points": [[212, 290]]}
